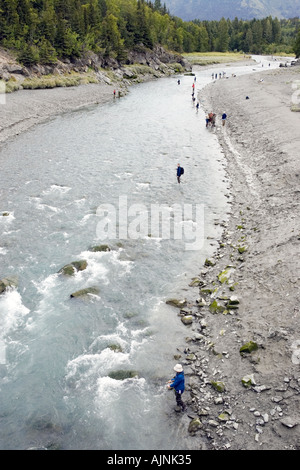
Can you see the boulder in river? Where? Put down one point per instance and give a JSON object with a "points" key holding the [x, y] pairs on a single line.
{"points": [[85, 292], [71, 268], [8, 282], [123, 374], [99, 248]]}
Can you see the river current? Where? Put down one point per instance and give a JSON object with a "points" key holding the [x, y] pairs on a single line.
{"points": [[58, 354]]}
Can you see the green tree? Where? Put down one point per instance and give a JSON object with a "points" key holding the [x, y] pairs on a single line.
{"points": [[29, 55], [296, 47], [223, 36], [47, 52]]}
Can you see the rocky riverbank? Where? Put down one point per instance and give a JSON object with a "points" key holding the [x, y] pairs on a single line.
{"points": [[242, 353]]}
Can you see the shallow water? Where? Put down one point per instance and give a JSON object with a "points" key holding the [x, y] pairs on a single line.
{"points": [[55, 352]]}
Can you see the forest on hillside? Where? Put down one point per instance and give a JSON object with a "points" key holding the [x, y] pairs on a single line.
{"points": [[42, 31]]}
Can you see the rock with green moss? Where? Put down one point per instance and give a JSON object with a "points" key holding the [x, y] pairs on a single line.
{"points": [[209, 262], [115, 347], [206, 291], [249, 347], [10, 282], [5, 214], [123, 374], [223, 417], [191, 357], [187, 319], [195, 282], [195, 425], [215, 307], [224, 276], [219, 386], [248, 380], [71, 268], [242, 249], [99, 248], [179, 303], [85, 293]]}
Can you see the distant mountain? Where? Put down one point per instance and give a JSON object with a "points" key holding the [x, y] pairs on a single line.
{"points": [[243, 9]]}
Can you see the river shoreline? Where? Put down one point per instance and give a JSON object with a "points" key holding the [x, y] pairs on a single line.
{"points": [[260, 243], [258, 267]]}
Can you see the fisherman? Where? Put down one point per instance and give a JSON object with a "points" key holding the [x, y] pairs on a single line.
{"points": [[180, 172], [224, 116], [178, 385]]}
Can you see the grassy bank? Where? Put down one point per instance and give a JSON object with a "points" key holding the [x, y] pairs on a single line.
{"points": [[211, 58]]}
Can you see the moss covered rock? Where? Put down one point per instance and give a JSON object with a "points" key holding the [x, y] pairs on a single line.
{"points": [[85, 292], [195, 425], [249, 347], [99, 248], [187, 320], [8, 283], [71, 268], [209, 262], [123, 374], [176, 303], [224, 276], [219, 386], [248, 380], [215, 307]]}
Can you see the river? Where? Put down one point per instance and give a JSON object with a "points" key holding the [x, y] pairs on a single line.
{"points": [[81, 180]]}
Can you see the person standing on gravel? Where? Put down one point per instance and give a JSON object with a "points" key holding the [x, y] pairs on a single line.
{"points": [[178, 384], [180, 172], [224, 116]]}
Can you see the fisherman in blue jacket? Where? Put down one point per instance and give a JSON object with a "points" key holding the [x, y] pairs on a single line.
{"points": [[180, 172], [178, 384]]}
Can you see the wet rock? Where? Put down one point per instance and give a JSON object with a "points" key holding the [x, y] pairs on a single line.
{"points": [[86, 292], [187, 320], [8, 283], [115, 347], [123, 374], [176, 303], [99, 248], [71, 268]]}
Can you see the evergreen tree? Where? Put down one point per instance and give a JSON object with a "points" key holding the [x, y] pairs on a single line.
{"points": [[296, 47], [223, 36], [47, 53]]}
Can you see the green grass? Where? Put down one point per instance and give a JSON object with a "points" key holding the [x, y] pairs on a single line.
{"points": [[53, 81], [211, 58]]}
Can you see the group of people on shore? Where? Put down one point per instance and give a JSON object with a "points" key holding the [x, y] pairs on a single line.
{"points": [[214, 76], [211, 119]]}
